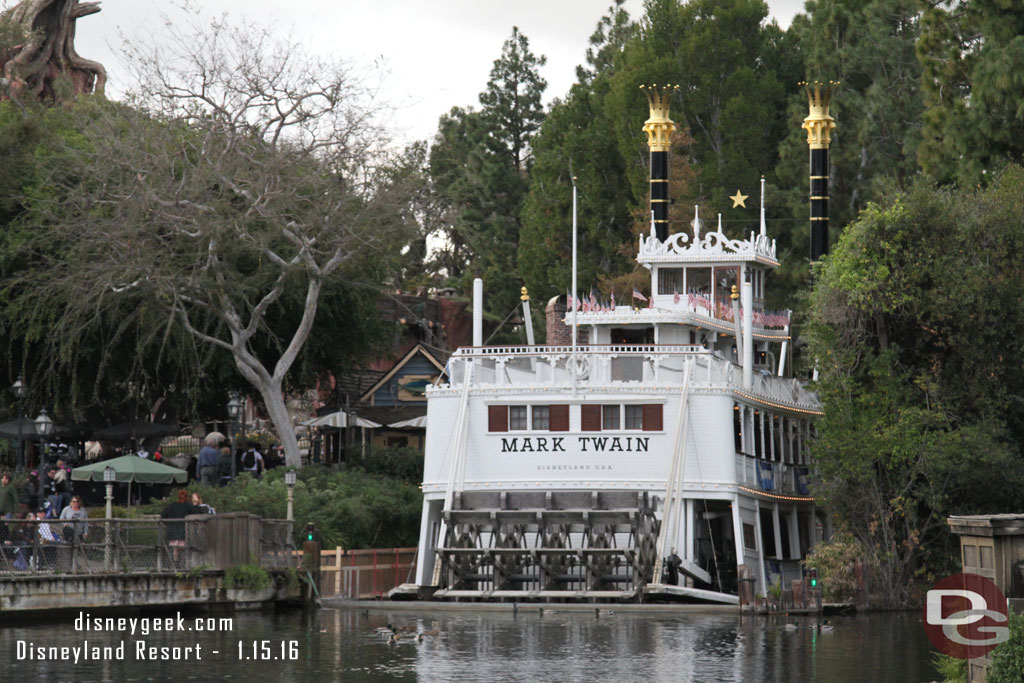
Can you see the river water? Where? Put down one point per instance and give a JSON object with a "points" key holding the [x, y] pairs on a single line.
{"points": [[559, 646]]}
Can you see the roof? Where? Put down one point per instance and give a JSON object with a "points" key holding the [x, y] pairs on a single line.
{"points": [[429, 352]]}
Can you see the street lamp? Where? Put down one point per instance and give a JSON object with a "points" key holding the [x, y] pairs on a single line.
{"points": [[20, 390], [234, 410], [44, 427], [109, 477], [289, 479]]}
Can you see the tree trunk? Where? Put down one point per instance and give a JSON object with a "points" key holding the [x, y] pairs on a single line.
{"points": [[46, 66], [277, 410]]}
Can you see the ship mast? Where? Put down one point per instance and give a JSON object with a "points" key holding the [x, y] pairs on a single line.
{"points": [[819, 126], [659, 128]]}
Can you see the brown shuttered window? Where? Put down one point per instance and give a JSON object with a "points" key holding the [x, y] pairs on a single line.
{"points": [[497, 418], [590, 418], [652, 417], [559, 418]]}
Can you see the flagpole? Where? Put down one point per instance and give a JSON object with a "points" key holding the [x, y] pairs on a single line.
{"points": [[574, 299]]}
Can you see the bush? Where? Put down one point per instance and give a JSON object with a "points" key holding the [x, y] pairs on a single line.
{"points": [[351, 508], [247, 576], [1008, 658], [836, 562], [952, 669], [401, 462]]}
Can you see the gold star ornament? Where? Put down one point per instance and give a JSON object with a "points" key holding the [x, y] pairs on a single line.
{"points": [[739, 199]]}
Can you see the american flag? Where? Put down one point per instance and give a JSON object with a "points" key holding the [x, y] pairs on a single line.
{"points": [[638, 295]]}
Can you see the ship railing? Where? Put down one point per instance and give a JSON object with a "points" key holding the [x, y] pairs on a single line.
{"points": [[614, 365], [771, 476]]}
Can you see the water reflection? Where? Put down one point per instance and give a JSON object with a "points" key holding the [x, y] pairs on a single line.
{"points": [[342, 645]]}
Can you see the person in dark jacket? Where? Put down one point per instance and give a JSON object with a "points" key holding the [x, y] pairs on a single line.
{"points": [[176, 530], [10, 502]]}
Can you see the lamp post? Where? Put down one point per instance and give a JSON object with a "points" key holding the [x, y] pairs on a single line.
{"points": [[234, 410], [20, 390], [44, 427], [109, 477], [289, 479]]}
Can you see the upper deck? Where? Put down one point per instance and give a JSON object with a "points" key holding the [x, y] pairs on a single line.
{"points": [[616, 368]]}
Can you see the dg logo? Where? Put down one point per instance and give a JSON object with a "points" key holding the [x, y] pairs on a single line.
{"points": [[965, 616]]}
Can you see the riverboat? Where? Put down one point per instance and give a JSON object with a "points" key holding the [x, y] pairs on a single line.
{"points": [[650, 450]]}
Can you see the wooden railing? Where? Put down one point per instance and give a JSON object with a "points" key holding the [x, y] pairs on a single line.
{"points": [[363, 574]]}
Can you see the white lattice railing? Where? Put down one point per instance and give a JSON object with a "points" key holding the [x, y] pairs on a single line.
{"points": [[617, 365]]}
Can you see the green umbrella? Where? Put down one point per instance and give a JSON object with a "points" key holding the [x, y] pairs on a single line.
{"points": [[131, 468]]}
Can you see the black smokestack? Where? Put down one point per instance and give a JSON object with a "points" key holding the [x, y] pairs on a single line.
{"points": [[659, 129]]}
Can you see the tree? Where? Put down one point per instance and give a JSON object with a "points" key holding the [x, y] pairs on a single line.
{"points": [[480, 164], [973, 59], [577, 139], [915, 318], [37, 52], [243, 178]]}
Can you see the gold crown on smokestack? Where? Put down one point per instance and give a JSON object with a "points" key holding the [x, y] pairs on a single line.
{"points": [[819, 124], [659, 126]]}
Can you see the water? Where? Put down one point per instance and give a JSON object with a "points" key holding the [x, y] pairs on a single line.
{"points": [[341, 645]]}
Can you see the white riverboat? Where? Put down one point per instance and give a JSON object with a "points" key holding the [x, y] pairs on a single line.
{"points": [[665, 453]]}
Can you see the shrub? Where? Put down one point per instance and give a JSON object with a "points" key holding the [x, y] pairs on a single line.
{"points": [[247, 576], [836, 562], [1008, 658], [350, 508]]}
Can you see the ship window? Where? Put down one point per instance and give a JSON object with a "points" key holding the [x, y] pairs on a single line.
{"points": [[541, 417], [611, 417], [670, 280], [725, 278], [497, 418], [758, 446], [749, 536], [634, 417], [517, 417], [590, 418], [737, 426], [558, 418], [698, 280]]}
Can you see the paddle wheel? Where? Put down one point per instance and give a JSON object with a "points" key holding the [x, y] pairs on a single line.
{"points": [[572, 544]]}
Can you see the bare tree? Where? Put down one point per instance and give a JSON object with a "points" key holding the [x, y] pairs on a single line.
{"points": [[241, 175]]}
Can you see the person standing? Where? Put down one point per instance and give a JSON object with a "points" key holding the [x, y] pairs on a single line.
{"points": [[76, 514], [10, 502], [207, 464], [252, 461], [178, 510]]}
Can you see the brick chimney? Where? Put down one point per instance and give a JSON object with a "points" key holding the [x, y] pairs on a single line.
{"points": [[557, 332]]}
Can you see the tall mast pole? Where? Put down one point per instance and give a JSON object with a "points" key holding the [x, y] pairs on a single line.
{"points": [[575, 367], [819, 126], [659, 129]]}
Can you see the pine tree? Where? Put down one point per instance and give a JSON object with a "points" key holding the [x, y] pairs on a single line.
{"points": [[973, 57]]}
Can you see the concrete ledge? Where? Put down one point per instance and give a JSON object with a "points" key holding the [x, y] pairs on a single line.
{"points": [[36, 594]]}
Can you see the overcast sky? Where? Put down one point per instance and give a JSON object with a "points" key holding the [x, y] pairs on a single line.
{"points": [[438, 53]]}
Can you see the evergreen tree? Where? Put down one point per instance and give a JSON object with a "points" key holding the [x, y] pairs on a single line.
{"points": [[577, 139], [480, 165], [973, 57]]}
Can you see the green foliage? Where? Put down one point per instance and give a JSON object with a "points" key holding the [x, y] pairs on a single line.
{"points": [[915, 315], [247, 577], [479, 166], [351, 508], [1008, 658], [401, 462], [973, 58], [836, 561], [951, 669]]}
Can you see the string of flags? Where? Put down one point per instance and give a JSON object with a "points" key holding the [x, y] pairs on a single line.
{"points": [[700, 303]]}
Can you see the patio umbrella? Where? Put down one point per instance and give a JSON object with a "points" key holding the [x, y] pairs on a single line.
{"points": [[137, 429], [131, 469], [9, 430]]}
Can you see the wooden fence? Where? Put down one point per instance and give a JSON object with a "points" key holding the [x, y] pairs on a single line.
{"points": [[363, 574]]}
